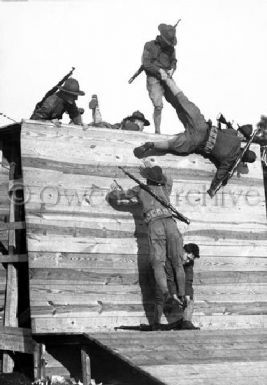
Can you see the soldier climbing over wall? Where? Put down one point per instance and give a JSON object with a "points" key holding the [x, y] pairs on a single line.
{"points": [[165, 240], [56, 103], [222, 147]]}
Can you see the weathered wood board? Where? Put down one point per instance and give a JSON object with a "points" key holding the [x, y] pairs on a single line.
{"points": [[88, 261], [4, 214], [205, 357]]}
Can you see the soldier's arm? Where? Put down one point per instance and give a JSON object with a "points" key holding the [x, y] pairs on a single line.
{"points": [[221, 173], [44, 112], [120, 196], [74, 114]]}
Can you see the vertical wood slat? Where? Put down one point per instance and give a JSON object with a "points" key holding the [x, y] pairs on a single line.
{"points": [[11, 301], [86, 366], [39, 362]]}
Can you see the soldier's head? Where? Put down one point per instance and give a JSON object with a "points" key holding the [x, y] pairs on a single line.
{"points": [[245, 131], [191, 252], [249, 156], [138, 118], [71, 90], [168, 34]]}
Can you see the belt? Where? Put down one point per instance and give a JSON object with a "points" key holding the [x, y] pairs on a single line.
{"points": [[209, 145], [158, 212]]}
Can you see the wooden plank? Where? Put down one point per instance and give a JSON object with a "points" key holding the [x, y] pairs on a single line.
{"points": [[120, 262], [205, 348], [125, 224], [11, 300], [13, 258], [102, 230], [95, 140], [86, 366], [177, 335], [235, 380], [141, 309], [12, 226], [207, 371], [82, 244], [129, 277], [102, 323], [206, 291], [16, 339], [74, 189]]}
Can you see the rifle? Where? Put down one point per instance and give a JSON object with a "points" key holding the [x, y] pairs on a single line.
{"points": [[230, 173], [54, 89], [169, 206], [141, 68], [137, 73]]}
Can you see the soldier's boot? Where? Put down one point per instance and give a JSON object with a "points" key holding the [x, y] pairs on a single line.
{"points": [[187, 325], [141, 151]]}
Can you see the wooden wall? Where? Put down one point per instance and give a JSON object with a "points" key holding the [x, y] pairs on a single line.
{"points": [[88, 261]]}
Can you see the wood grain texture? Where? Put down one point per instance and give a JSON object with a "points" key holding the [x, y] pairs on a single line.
{"points": [[89, 266], [192, 357]]}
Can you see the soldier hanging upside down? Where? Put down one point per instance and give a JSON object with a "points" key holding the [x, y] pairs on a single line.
{"points": [[221, 147]]}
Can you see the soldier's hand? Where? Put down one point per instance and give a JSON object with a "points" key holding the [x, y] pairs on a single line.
{"points": [[56, 122], [114, 187], [147, 163], [170, 73], [163, 74], [85, 126]]}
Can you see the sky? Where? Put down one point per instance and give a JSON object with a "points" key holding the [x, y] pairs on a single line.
{"points": [[221, 51]]}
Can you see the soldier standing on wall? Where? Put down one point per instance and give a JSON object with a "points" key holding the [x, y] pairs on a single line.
{"points": [[157, 54]]}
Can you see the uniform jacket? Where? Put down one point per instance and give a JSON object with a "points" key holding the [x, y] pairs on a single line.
{"points": [[156, 56], [54, 107], [226, 149], [148, 202]]}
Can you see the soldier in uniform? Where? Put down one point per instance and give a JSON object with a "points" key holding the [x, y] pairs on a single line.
{"points": [[64, 100], [222, 147], [159, 54], [134, 122], [165, 240]]}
